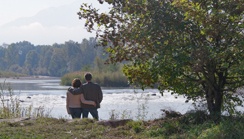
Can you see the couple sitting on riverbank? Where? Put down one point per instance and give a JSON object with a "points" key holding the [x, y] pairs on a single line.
{"points": [[84, 98]]}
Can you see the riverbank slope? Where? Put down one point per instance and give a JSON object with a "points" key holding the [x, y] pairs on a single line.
{"points": [[195, 125]]}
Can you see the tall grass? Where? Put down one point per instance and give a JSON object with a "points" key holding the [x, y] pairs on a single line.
{"points": [[104, 79], [10, 106]]}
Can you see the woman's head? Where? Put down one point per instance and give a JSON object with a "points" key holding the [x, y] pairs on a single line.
{"points": [[76, 83]]}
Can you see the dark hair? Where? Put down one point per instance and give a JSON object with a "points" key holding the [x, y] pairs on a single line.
{"points": [[88, 76], [76, 83]]}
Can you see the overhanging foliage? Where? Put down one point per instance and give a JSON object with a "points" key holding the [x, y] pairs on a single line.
{"points": [[194, 48]]}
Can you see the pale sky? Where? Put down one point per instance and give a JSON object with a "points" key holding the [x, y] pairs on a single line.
{"points": [[43, 21]]}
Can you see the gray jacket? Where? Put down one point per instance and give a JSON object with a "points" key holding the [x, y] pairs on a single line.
{"points": [[91, 91]]}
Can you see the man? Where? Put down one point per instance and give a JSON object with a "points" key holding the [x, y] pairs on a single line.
{"points": [[91, 91]]}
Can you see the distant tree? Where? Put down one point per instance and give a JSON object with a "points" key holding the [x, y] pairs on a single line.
{"points": [[73, 56], [3, 63], [31, 62], [102, 66], [46, 58], [23, 48], [113, 67], [32, 59], [87, 68], [2, 58], [88, 55], [11, 55], [16, 68], [2, 52], [5, 45], [99, 64], [57, 65]]}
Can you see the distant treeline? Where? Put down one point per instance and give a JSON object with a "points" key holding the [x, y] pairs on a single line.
{"points": [[50, 60]]}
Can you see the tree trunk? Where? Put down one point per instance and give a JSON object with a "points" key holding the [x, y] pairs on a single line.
{"points": [[214, 101]]}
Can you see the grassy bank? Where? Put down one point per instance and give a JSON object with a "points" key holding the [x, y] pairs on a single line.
{"points": [[7, 74], [179, 127], [104, 79], [194, 125]]}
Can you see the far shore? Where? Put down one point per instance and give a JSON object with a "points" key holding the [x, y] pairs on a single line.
{"points": [[30, 78]]}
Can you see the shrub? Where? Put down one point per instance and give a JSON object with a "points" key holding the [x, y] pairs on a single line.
{"points": [[195, 117], [104, 79]]}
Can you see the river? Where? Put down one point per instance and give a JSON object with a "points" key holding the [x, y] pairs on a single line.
{"points": [[117, 102]]}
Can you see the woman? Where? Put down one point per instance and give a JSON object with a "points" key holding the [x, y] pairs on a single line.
{"points": [[73, 102]]}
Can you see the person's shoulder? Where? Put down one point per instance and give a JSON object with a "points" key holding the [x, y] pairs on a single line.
{"points": [[91, 84], [69, 89], [88, 83], [95, 84], [83, 85], [68, 93]]}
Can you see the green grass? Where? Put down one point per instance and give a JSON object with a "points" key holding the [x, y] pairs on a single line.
{"points": [[228, 127]]}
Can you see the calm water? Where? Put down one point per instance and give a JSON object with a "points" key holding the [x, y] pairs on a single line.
{"points": [[121, 101]]}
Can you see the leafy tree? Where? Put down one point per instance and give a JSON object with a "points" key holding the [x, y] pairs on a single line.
{"points": [[31, 62], [11, 55], [114, 67], [88, 55], [194, 48], [73, 56], [16, 68], [2, 58], [23, 48], [74, 63], [2, 52], [32, 59], [45, 56], [99, 64], [100, 52], [57, 65], [87, 68]]}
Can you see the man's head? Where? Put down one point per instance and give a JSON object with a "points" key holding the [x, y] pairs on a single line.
{"points": [[76, 83], [88, 76]]}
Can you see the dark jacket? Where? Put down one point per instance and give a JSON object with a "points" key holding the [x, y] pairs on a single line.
{"points": [[91, 91]]}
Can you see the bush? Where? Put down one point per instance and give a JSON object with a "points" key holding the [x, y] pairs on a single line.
{"points": [[104, 79], [7, 74], [195, 117]]}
